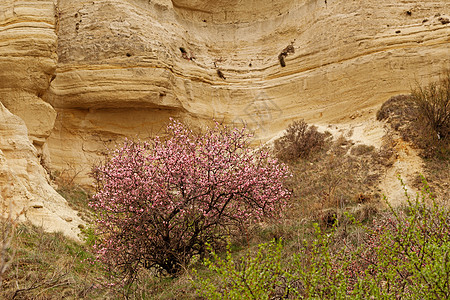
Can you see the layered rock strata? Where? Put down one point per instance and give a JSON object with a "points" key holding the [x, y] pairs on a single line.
{"points": [[25, 192], [28, 59], [124, 67]]}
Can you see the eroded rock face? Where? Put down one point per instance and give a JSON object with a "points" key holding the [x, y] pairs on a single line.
{"points": [[24, 186], [143, 61], [28, 60], [27, 63], [85, 74]]}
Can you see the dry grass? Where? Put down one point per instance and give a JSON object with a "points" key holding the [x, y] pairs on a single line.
{"points": [[342, 177], [49, 266]]}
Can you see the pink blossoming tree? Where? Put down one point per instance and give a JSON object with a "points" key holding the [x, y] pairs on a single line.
{"points": [[159, 203]]}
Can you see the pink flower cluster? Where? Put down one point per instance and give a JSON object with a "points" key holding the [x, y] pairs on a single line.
{"points": [[161, 201]]}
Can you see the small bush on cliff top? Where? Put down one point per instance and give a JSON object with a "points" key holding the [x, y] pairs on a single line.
{"points": [[160, 203]]}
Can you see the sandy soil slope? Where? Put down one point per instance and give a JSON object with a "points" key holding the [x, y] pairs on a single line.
{"points": [[406, 162]]}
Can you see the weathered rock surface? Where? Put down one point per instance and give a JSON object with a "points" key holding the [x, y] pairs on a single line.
{"points": [[124, 67], [84, 74], [25, 191], [27, 63], [28, 60]]}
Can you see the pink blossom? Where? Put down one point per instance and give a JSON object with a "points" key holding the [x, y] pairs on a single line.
{"points": [[165, 199]]}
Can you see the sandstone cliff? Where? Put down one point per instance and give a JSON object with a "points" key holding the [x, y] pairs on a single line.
{"points": [[24, 184], [84, 74], [28, 58], [124, 67]]}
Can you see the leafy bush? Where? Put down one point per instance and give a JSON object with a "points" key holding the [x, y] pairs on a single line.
{"points": [[267, 274], [299, 141], [160, 203], [254, 276], [403, 255]]}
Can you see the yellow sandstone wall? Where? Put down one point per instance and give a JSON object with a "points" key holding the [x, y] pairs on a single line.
{"points": [[120, 70]]}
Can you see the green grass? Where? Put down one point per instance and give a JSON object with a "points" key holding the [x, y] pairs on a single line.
{"points": [[50, 266]]}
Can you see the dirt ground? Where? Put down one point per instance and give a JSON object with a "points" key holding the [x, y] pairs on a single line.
{"points": [[405, 161]]}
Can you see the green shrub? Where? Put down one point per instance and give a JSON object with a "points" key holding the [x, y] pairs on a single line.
{"points": [[254, 276], [407, 251], [404, 254], [319, 270]]}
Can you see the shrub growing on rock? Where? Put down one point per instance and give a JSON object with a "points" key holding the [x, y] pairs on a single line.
{"points": [[161, 202], [423, 117]]}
